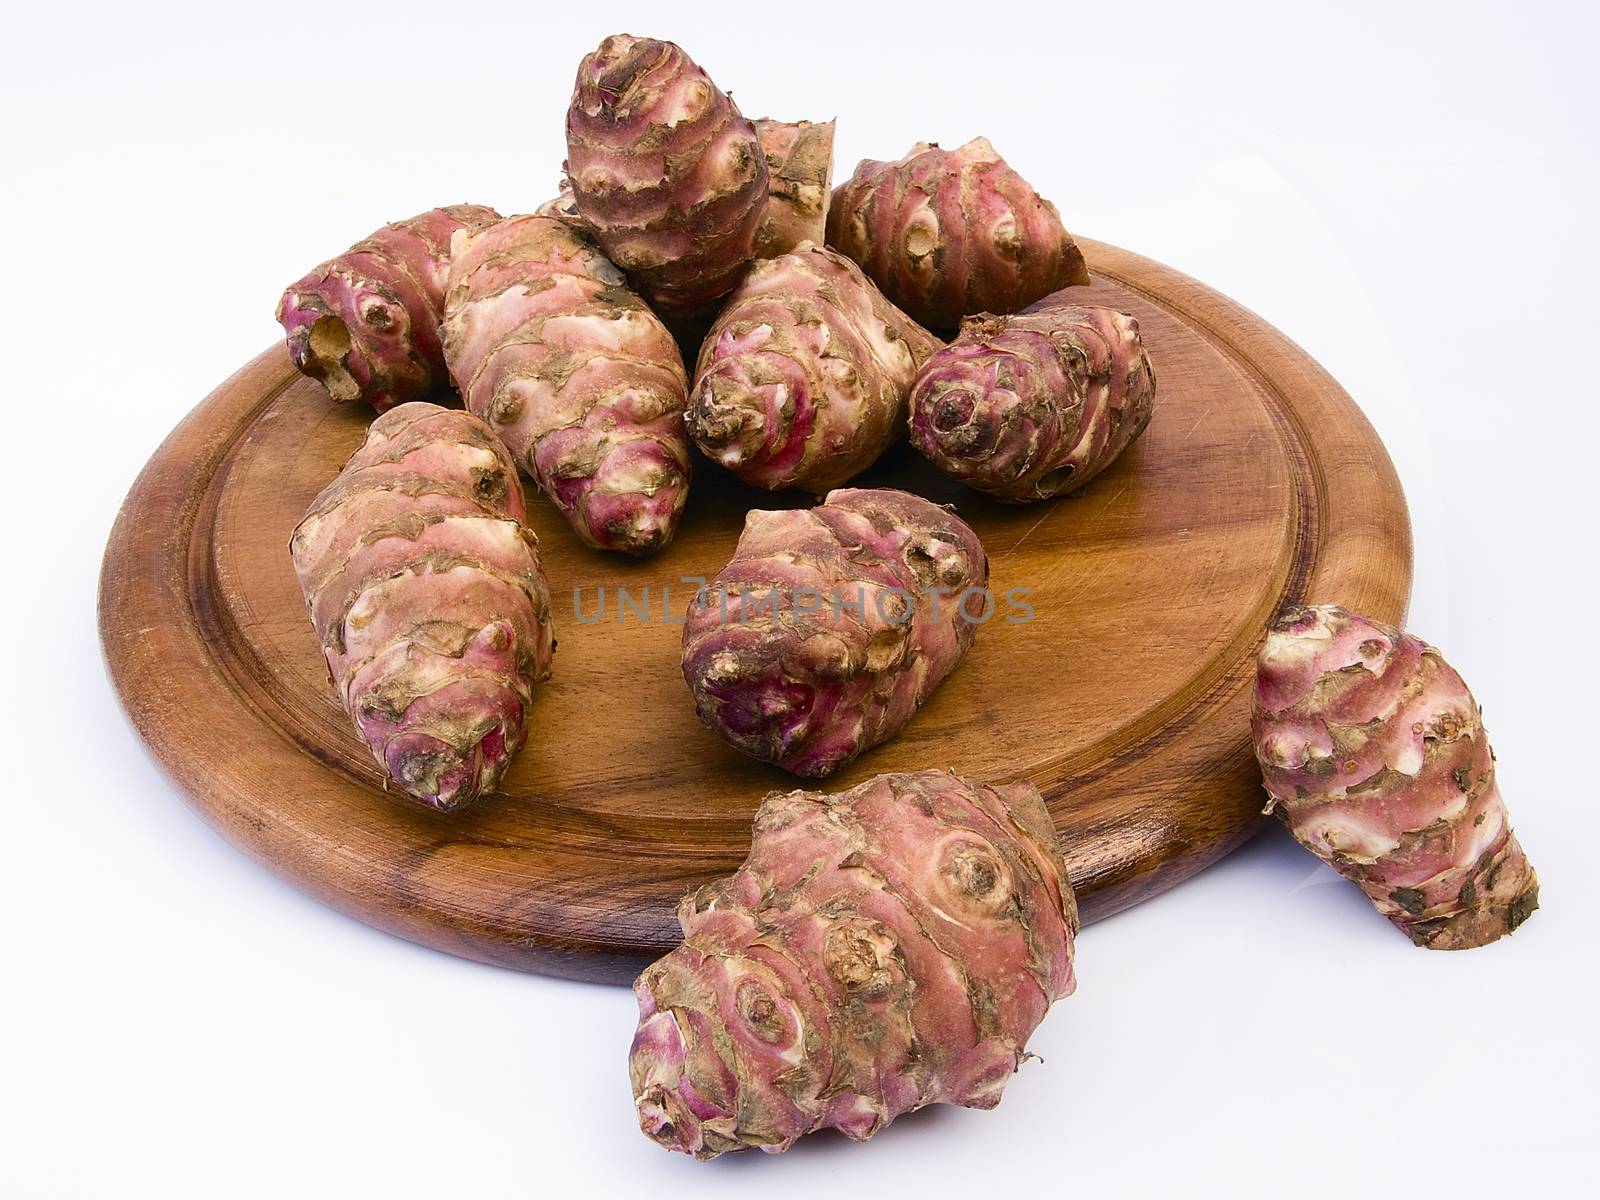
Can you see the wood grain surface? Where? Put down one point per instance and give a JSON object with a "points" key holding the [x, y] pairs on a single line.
{"points": [[1125, 698]]}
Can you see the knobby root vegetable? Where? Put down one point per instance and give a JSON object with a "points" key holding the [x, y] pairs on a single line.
{"points": [[666, 170], [1029, 406], [947, 233], [366, 324], [427, 596], [1374, 755], [574, 371], [800, 176], [832, 625], [881, 949], [565, 208], [802, 381]]}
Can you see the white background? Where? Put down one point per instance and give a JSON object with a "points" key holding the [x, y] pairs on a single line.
{"points": [[1409, 192]]}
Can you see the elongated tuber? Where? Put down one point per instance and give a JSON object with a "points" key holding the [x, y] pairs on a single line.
{"points": [[584, 383], [428, 598], [666, 170], [882, 949], [1030, 406], [366, 324], [1374, 755], [800, 176], [802, 381], [948, 233], [832, 625]]}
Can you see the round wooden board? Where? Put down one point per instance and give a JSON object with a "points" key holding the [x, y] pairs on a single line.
{"points": [[1125, 699]]}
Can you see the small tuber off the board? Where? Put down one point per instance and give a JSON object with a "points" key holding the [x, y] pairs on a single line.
{"points": [[881, 949], [1374, 755]]}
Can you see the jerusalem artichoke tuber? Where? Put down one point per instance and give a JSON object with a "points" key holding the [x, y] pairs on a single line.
{"points": [[666, 170], [1029, 406], [832, 625], [429, 601], [1374, 755], [882, 949], [947, 233], [580, 378], [799, 176], [367, 323], [802, 381]]}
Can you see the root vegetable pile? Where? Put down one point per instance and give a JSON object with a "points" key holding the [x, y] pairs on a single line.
{"points": [[882, 949], [802, 381], [800, 174], [584, 383], [949, 233], [832, 626], [1031, 406], [366, 324], [1374, 755], [665, 169], [429, 601]]}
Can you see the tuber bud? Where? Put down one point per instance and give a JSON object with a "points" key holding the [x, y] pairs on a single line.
{"points": [[366, 324], [947, 233], [1030, 406], [802, 381], [580, 378], [799, 176], [832, 625], [666, 170], [427, 595], [881, 949], [1374, 755]]}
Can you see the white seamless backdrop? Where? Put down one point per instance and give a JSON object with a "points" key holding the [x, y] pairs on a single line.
{"points": [[1407, 190]]}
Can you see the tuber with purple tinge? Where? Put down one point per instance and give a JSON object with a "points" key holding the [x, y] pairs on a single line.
{"points": [[366, 324], [832, 625], [802, 380], [949, 233], [546, 342], [666, 170], [429, 601], [1030, 406], [881, 949], [1374, 755], [800, 175]]}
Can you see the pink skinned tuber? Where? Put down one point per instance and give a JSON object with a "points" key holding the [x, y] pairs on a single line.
{"points": [[428, 598], [1374, 755], [802, 380], [831, 626], [1034, 405], [666, 171], [366, 324], [881, 949], [949, 233], [800, 175], [584, 383]]}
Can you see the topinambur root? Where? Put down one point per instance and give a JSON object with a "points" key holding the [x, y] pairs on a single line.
{"points": [[366, 324], [1030, 406], [666, 170], [802, 381], [584, 383], [948, 233], [428, 598], [800, 176], [1374, 755], [882, 949], [832, 625]]}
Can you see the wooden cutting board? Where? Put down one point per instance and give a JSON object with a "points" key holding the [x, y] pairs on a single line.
{"points": [[1258, 484]]}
